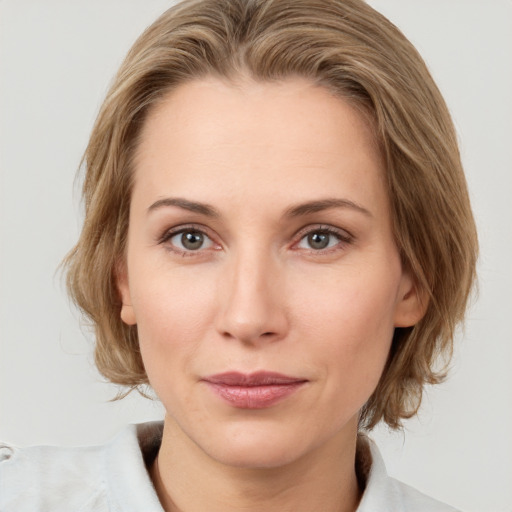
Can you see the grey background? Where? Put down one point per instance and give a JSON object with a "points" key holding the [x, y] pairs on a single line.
{"points": [[56, 60]]}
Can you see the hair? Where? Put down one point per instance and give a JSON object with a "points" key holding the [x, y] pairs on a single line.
{"points": [[349, 48]]}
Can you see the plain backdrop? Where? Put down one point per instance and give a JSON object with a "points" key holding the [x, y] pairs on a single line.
{"points": [[56, 61]]}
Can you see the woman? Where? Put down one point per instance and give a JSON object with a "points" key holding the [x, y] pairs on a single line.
{"points": [[278, 239]]}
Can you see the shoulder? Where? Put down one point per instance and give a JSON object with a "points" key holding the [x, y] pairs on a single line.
{"points": [[383, 493], [50, 478], [412, 499], [55, 479]]}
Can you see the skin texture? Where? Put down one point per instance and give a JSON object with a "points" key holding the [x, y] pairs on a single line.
{"points": [[258, 294]]}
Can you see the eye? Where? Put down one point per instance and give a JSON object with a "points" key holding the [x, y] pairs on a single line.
{"points": [[322, 238], [188, 240]]}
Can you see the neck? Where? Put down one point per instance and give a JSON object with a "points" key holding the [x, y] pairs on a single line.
{"points": [[188, 480]]}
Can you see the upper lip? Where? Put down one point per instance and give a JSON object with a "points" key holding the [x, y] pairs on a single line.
{"points": [[261, 378]]}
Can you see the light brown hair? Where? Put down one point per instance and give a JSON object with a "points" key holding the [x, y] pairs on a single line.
{"points": [[359, 55]]}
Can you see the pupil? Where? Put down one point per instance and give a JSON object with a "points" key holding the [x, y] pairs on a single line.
{"points": [[192, 240], [318, 240]]}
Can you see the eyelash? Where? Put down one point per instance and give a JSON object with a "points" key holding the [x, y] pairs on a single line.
{"points": [[344, 238], [191, 228]]}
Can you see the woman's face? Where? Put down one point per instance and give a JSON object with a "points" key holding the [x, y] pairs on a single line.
{"points": [[261, 269]]}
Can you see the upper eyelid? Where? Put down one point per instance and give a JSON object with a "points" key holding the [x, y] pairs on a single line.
{"points": [[170, 232], [165, 238], [345, 238], [342, 233]]}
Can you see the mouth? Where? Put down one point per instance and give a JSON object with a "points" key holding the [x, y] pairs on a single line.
{"points": [[257, 390]]}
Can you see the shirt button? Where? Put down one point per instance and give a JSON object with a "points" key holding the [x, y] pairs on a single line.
{"points": [[6, 453]]}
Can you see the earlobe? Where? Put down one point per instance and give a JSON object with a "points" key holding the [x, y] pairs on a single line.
{"points": [[412, 302], [127, 313]]}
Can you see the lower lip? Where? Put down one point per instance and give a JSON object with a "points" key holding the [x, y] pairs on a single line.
{"points": [[255, 397]]}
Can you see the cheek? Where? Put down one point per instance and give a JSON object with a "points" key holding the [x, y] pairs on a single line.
{"points": [[172, 316], [168, 299], [351, 323]]}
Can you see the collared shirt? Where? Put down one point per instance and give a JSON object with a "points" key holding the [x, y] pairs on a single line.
{"points": [[114, 478]]}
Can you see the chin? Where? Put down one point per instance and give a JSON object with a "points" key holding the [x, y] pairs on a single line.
{"points": [[256, 456], [256, 447]]}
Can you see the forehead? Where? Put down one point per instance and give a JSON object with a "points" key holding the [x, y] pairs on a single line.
{"points": [[212, 137]]}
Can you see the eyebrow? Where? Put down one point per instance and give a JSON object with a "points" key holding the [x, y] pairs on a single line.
{"points": [[324, 204], [294, 211], [191, 206]]}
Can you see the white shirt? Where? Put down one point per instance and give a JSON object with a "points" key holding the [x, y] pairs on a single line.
{"points": [[114, 478]]}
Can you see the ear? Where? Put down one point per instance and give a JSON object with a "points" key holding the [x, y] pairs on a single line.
{"points": [[412, 302], [123, 288]]}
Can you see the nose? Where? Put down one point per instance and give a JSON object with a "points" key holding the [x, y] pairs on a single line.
{"points": [[252, 300]]}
